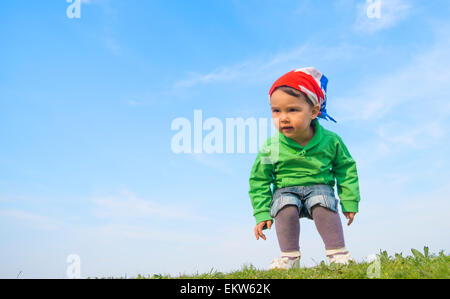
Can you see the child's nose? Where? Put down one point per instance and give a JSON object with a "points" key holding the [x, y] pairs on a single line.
{"points": [[284, 118]]}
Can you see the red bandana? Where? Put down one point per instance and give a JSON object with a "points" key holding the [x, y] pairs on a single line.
{"points": [[309, 81]]}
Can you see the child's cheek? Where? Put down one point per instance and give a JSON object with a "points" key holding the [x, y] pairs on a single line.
{"points": [[276, 122]]}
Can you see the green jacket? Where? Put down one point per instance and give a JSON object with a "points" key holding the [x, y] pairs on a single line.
{"points": [[282, 162]]}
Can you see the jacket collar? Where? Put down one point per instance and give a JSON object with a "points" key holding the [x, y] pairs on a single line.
{"points": [[313, 142]]}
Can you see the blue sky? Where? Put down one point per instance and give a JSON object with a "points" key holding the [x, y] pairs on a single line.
{"points": [[86, 107]]}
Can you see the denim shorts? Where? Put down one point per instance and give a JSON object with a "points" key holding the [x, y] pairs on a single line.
{"points": [[304, 198]]}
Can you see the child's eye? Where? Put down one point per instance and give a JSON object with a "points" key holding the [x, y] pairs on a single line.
{"points": [[275, 111], [293, 109]]}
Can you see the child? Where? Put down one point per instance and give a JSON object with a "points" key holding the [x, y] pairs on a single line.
{"points": [[304, 161]]}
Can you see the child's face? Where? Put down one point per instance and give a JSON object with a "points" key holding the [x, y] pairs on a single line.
{"points": [[292, 116]]}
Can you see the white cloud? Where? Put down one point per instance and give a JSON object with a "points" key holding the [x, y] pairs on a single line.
{"points": [[391, 13], [265, 68], [369, 153], [112, 44], [98, 2], [416, 136], [401, 223], [222, 74], [149, 232], [388, 223], [128, 206], [424, 82], [407, 111], [29, 219], [107, 37], [216, 164]]}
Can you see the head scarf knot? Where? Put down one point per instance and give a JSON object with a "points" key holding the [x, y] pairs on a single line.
{"points": [[309, 81]]}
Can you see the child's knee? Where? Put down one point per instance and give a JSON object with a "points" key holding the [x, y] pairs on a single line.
{"points": [[291, 209], [321, 209]]}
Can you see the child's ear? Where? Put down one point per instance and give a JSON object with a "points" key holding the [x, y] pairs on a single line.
{"points": [[316, 111]]}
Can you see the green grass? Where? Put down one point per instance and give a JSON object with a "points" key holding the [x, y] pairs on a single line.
{"points": [[417, 266]]}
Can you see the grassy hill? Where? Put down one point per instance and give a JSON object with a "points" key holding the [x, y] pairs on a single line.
{"points": [[417, 266]]}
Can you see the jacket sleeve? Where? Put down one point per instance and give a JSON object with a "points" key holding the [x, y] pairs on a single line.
{"points": [[261, 178], [344, 169]]}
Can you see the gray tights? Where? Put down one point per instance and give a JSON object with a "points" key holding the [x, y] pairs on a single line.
{"points": [[328, 224]]}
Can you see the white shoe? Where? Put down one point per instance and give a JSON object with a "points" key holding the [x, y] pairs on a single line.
{"points": [[283, 262], [339, 256]]}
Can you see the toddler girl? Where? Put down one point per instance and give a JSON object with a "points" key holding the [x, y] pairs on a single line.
{"points": [[301, 163]]}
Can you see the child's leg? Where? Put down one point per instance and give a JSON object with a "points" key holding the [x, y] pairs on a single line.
{"points": [[329, 225], [287, 225]]}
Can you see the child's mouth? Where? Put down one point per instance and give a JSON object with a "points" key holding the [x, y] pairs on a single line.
{"points": [[287, 128]]}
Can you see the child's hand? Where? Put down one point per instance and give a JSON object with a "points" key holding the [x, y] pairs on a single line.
{"points": [[259, 228], [350, 216]]}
